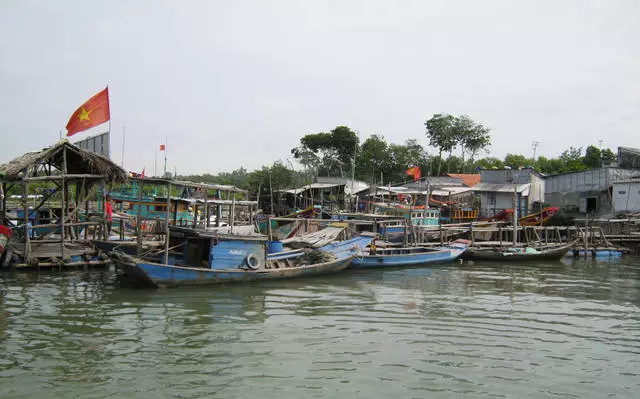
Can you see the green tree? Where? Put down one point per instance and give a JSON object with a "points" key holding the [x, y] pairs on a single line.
{"points": [[608, 156], [441, 134], [572, 160], [472, 137], [373, 158], [489, 163], [515, 161], [592, 157], [327, 152]]}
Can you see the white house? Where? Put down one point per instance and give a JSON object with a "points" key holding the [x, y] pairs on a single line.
{"points": [[626, 196]]}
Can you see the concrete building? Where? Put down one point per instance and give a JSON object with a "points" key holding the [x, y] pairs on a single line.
{"points": [[587, 191]]}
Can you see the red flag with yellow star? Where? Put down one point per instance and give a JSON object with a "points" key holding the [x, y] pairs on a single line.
{"points": [[92, 113]]}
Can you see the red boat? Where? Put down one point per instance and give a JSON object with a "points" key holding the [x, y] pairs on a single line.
{"points": [[535, 219]]}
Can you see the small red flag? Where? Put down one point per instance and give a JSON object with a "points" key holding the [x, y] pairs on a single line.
{"points": [[92, 113], [161, 147]]}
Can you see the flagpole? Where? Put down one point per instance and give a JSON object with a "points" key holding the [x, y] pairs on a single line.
{"points": [[123, 129], [109, 134], [155, 163], [165, 155]]}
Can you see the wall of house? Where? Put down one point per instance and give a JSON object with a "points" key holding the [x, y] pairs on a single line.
{"points": [[572, 191], [495, 202], [626, 197]]}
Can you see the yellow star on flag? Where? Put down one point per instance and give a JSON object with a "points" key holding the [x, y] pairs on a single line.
{"points": [[84, 115]]}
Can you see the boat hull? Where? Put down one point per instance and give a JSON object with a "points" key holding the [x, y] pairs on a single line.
{"points": [[490, 255], [413, 256], [160, 275]]}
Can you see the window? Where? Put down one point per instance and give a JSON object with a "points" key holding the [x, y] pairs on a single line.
{"points": [[622, 192], [492, 198]]}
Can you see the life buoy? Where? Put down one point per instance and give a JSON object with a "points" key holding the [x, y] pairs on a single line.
{"points": [[252, 262]]}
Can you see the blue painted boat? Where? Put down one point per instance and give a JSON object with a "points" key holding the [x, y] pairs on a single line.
{"points": [[409, 256], [235, 259]]}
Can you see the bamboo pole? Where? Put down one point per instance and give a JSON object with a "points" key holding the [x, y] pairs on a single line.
{"points": [[63, 201], [27, 244], [166, 226], [139, 220]]}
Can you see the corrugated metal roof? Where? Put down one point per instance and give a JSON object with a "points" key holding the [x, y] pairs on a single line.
{"points": [[468, 180], [444, 191], [502, 188]]}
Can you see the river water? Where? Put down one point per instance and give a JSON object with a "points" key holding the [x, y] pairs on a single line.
{"points": [[567, 329]]}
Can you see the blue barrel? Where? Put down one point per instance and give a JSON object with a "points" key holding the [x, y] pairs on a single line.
{"points": [[274, 246]]}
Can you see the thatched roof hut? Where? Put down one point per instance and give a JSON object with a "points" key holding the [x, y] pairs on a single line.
{"points": [[79, 162]]}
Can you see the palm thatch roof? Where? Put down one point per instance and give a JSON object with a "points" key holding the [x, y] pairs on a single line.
{"points": [[79, 162]]}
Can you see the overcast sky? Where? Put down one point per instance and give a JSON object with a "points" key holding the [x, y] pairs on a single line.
{"points": [[238, 83]]}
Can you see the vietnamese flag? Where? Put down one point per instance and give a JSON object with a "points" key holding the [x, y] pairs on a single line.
{"points": [[162, 148], [415, 172], [92, 113]]}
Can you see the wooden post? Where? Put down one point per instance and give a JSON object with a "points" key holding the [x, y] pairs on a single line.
{"points": [[440, 230], [27, 243], [471, 233], [500, 234], [586, 240], [166, 226], [233, 211], [139, 220], [515, 216], [63, 201], [405, 238], [206, 207]]}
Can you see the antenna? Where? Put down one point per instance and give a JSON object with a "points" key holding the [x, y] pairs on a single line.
{"points": [[535, 147], [600, 142]]}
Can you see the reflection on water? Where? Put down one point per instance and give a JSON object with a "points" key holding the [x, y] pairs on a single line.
{"points": [[569, 329]]}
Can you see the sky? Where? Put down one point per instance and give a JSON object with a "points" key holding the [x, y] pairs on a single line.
{"points": [[230, 84]]}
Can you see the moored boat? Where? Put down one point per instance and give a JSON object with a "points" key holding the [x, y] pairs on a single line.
{"points": [[237, 259], [518, 254], [409, 256]]}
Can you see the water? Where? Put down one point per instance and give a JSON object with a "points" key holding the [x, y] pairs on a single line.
{"points": [[555, 330]]}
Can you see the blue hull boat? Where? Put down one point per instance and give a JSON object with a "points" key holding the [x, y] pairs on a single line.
{"points": [[409, 256], [239, 260]]}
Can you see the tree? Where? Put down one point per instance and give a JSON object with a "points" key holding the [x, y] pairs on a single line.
{"points": [[489, 163], [515, 161], [592, 157], [330, 152], [441, 134], [572, 160], [608, 156], [471, 136], [373, 157]]}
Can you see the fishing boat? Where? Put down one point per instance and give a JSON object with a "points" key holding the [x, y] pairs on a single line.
{"points": [[518, 253], [235, 259], [409, 256]]}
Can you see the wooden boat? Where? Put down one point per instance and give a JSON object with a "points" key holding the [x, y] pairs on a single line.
{"points": [[237, 259], [518, 254], [409, 256]]}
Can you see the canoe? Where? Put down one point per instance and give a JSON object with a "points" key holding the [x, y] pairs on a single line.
{"points": [[409, 256], [522, 254], [237, 260]]}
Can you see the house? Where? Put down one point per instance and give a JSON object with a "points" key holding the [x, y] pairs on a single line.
{"points": [[586, 191], [626, 196], [498, 188]]}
